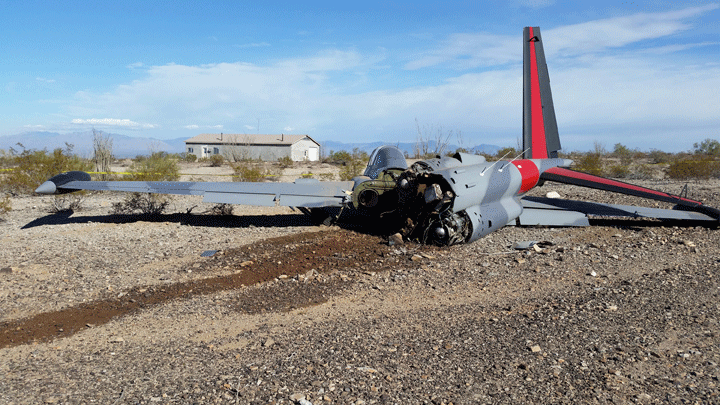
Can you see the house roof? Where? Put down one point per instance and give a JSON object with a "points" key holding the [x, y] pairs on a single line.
{"points": [[247, 139]]}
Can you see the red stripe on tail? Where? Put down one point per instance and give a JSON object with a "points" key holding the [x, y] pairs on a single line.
{"points": [[539, 145]]}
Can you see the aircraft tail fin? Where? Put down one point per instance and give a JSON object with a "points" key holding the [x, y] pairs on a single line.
{"points": [[540, 132]]}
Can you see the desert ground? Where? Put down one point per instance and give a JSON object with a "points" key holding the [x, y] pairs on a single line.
{"points": [[123, 309]]}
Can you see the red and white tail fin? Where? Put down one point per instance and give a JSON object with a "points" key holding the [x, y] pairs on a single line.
{"points": [[540, 132]]}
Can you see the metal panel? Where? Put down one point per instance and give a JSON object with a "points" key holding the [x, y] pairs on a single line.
{"points": [[551, 217], [267, 200]]}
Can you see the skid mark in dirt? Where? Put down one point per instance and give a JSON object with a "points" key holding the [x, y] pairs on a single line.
{"points": [[262, 261]]}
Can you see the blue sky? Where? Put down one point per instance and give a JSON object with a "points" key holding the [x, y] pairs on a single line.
{"points": [[645, 74]]}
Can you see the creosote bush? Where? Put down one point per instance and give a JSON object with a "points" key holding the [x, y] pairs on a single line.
{"points": [[67, 202], [216, 160], [245, 171], [159, 166], [141, 203], [30, 168]]}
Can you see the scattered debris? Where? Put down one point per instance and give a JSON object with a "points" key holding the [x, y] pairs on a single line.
{"points": [[208, 253], [395, 239]]}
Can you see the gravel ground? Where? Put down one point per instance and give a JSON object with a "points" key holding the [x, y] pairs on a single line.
{"points": [[123, 310]]}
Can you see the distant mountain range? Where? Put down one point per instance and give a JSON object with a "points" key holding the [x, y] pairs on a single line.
{"points": [[127, 146], [407, 147]]}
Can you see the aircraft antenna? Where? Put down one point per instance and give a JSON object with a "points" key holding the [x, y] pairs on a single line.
{"points": [[514, 159], [494, 163]]}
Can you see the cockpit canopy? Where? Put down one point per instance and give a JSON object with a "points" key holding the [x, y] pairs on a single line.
{"points": [[385, 157]]}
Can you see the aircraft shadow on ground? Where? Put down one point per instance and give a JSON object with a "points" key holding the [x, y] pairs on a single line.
{"points": [[198, 220]]}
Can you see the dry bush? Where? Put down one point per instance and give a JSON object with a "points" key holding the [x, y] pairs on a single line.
{"points": [[141, 203], [216, 160], [590, 163], [67, 202], [159, 166], [683, 169], [5, 206], [286, 162], [221, 209], [326, 176], [102, 156], [30, 168], [620, 171], [352, 169], [248, 172]]}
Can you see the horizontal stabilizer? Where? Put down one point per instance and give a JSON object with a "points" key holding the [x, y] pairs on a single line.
{"points": [[567, 176]]}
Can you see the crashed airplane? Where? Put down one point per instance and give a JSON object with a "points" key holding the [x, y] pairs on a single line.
{"points": [[445, 200]]}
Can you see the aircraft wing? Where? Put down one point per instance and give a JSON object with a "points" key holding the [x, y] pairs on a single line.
{"points": [[567, 176], [309, 193]]}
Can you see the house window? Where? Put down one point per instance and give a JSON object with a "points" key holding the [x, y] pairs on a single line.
{"points": [[216, 151], [190, 150]]}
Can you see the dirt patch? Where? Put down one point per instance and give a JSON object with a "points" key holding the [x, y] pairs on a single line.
{"points": [[294, 257]]}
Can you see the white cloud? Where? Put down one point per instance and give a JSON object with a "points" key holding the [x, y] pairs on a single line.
{"points": [[472, 50], [599, 94], [44, 80], [135, 65], [113, 122]]}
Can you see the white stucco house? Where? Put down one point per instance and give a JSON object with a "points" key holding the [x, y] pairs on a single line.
{"points": [[236, 147]]}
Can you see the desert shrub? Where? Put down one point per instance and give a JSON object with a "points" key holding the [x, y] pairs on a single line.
{"points": [[307, 175], [506, 153], [643, 171], [30, 168], [326, 176], [683, 169], [245, 171], [67, 202], [222, 209], [620, 171], [189, 157], [339, 157], [658, 156], [159, 166], [590, 163], [216, 160], [5, 206], [624, 154], [351, 169], [141, 203], [708, 147], [285, 162]]}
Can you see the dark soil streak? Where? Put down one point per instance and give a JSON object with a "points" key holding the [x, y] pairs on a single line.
{"points": [[292, 255]]}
